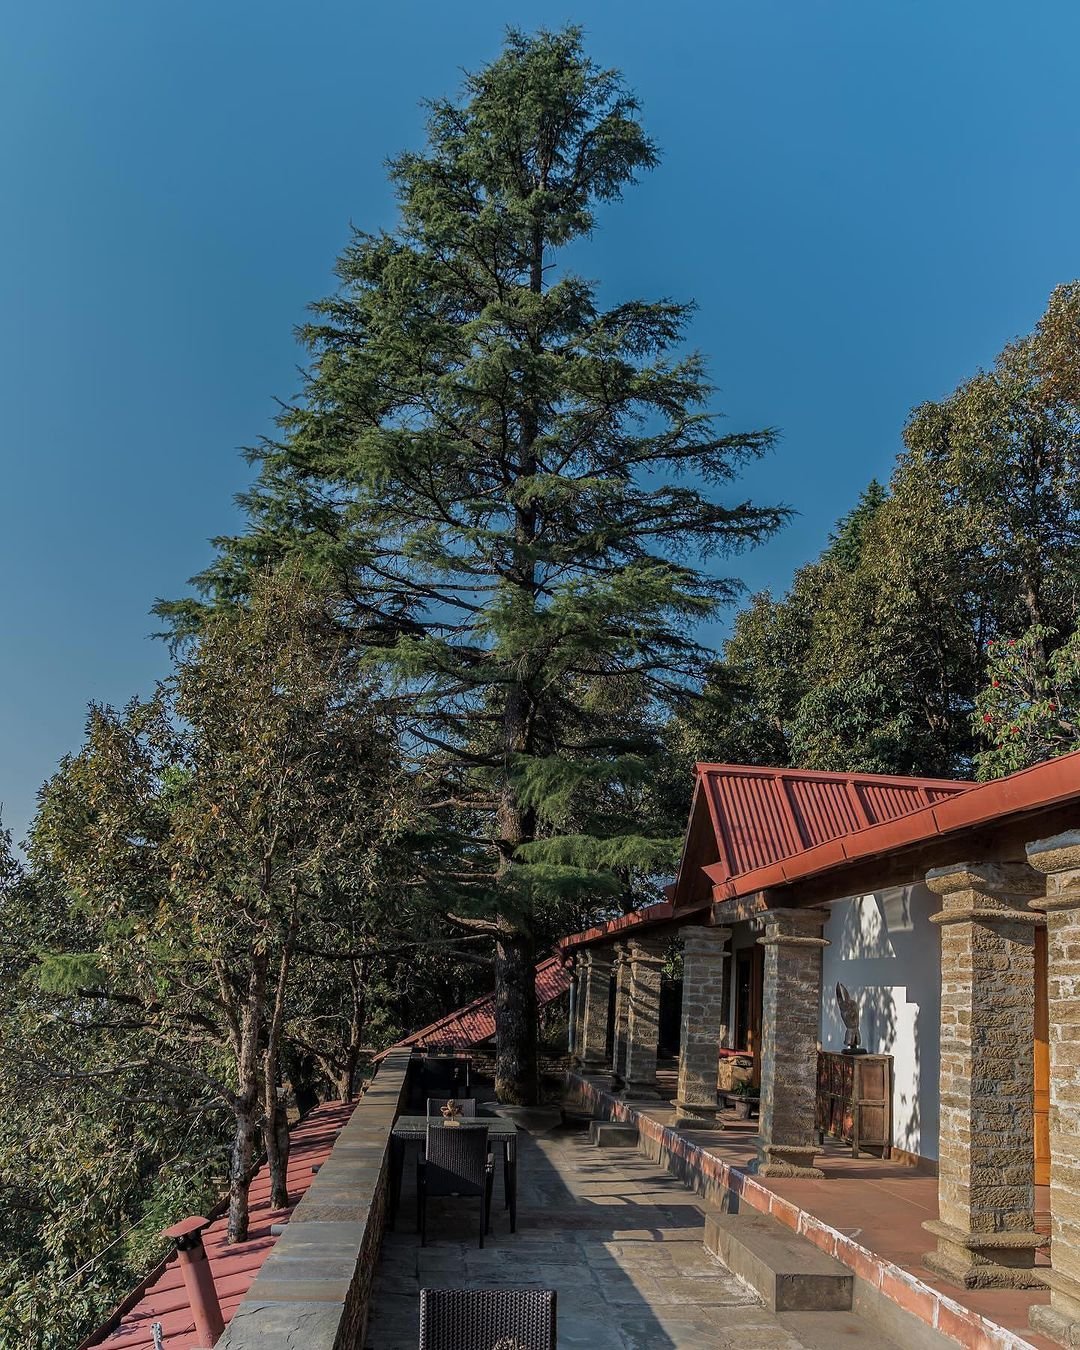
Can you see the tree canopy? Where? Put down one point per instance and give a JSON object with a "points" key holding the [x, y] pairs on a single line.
{"points": [[516, 489], [876, 658]]}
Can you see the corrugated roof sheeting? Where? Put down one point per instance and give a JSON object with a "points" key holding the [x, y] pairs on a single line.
{"points": [[944, 812], [762, 815]]}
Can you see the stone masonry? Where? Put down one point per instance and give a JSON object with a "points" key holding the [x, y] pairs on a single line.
{"points": [[577, 1006], [645, 959], [592, 1048], [622, 1013], [1059, 859], [703, 1021], [985, 1228], [791, 1014]]}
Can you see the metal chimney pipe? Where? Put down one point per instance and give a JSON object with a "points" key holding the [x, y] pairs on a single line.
{"points": [[198, 1278]]}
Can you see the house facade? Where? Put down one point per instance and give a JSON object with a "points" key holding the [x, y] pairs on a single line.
{"points": [[951, 914]]}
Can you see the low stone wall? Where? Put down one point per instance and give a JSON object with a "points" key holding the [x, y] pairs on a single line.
{"points": [[314, 1287], [729, 1188]]}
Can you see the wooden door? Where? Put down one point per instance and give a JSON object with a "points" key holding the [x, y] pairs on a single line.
{"points": [[749, 972], [1042, 1064]]}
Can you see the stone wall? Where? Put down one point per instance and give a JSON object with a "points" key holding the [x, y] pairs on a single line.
{"points": [[314, 1287]]}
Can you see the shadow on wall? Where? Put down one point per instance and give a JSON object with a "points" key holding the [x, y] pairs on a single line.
{"points": [[884, 948]]}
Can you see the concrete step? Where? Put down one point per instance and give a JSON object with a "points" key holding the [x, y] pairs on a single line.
{"points": [[835, 1331], [788, 1273], [609, 1133]]}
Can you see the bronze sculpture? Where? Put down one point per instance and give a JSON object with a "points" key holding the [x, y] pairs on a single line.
{"points": [[849, 1015]]}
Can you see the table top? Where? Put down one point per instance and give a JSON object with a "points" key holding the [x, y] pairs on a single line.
{"points": [[498, 1127]]}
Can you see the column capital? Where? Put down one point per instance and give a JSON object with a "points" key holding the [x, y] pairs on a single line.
{"points": [[1058, 859], [793, 928], [986, 891], [707, 940], [646, 951]]}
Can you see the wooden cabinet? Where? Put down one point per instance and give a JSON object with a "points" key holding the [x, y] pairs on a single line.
{"points": [[854, 1100]]}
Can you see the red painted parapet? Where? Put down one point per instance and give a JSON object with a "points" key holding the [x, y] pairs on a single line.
{"points": [[198, 1278]]}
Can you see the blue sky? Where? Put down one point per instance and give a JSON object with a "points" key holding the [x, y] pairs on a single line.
{"points": [[866, 201]]}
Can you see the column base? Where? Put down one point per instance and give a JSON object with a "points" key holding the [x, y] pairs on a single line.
{"points": [[594, 1068], [788, 1160], [696, 1116], [638, 1092], [1003, 1260], [1060, 1320]]}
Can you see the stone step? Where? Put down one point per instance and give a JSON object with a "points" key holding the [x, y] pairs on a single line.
{"points": [[610, 1133], [835, 1331], [787, 1272]]}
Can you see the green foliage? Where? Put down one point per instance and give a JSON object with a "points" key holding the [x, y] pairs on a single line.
{"points": [[514, 489], [873, 660], [215, 876], [1029, 710], [68, 972]]}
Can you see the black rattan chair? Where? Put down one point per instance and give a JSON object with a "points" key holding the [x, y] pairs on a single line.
{"points": [[456, 1162], [484, 1319], [467, 1104], [445, 1077], [439, 1077]]}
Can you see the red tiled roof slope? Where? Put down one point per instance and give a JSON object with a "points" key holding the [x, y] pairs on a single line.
{"points": [[475, 1023], [234, 1267], [762, 815]]}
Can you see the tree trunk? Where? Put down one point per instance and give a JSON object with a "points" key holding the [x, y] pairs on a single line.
{"points": [[357, 1021], [275, 1132], [275, 1137], [516, 1066], [241, 1161], [516, 1077], [246, 1104]]}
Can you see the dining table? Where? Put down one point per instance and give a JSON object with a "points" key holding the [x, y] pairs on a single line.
{"points": [[413, 1130]]}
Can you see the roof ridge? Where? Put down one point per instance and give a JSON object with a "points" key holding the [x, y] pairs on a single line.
{"points": [[830, 775]]}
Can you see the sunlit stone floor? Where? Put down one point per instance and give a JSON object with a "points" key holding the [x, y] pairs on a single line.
{"points": [[618, 1239]]}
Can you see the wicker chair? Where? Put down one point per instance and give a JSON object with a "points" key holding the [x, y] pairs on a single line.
{"points": [[444, 1077], [484, 1319], [456, 1162], [467, 1104]]}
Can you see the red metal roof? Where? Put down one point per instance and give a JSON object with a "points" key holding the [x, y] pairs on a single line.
{"points": [[647, 915], [234, 1267], [760, 816], [475, 1023], [1043, 785]]}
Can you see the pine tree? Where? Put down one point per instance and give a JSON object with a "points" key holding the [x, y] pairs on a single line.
{"points": [[515, 488]]}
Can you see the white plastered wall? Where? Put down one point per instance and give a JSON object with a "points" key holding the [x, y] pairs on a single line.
{"points": [[884, 948]]}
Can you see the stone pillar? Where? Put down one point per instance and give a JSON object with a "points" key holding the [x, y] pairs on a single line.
{"points": [[622, 1013], [725, 1005], [985, 1227], [790, 1026], [592, 1047], [645, 960], [572, 1018], [1059, 859], [704, 1021]]}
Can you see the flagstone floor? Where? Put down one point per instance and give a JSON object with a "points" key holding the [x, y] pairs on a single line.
{"points": [[621, 1242]]}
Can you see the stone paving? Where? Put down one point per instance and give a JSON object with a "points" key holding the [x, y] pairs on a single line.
{"points": [[621, 1242]]}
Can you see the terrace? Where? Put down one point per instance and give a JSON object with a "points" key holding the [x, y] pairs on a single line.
{"points": [[620, 1240]]}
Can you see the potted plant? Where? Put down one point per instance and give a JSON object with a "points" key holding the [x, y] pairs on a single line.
{"points": [[745, 1098]]}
